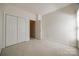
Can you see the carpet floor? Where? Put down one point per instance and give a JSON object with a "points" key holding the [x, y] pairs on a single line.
{"points": [[39, 48]]}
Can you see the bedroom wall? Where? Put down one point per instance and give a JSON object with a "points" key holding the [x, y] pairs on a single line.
{"points": [[9, 9], [1, 17], [39, 27], [60, 25]]}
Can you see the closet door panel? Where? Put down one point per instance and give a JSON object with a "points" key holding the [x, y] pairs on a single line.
{"points": [[21, 29], [1, 30], [11, 30]]}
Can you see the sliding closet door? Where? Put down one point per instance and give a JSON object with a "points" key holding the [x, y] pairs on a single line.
{"points": [[1, 30], [11, 30], [21, 29]]}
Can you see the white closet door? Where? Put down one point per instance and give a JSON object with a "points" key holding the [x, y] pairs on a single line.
{"points": [[11, 30], [21, 29], [0, 30]]}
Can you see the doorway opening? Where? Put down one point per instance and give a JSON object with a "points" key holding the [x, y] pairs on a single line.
{"points": [[32, 29]]}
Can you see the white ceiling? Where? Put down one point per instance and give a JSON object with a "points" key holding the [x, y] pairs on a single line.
{"points": [[40, 8]]}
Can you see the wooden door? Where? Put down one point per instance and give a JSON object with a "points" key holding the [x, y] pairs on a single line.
{"points": [[32, 29]]}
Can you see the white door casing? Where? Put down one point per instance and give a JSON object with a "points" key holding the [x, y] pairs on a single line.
{"points": [[11, 30]]}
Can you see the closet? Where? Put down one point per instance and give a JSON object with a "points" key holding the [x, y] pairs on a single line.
{"points": [[11, 30], [15, 29], [21, 29]]}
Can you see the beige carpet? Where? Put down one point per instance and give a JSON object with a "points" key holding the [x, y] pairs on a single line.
{"points": [[40, 48]]}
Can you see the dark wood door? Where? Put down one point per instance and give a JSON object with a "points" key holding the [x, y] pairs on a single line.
{"points": [[32, 29]]}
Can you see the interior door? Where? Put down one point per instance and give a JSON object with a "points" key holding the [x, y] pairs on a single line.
{"points": [[11, 30], [21, 29], [32, 29]]}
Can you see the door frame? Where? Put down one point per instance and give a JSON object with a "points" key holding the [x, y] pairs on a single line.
{"points": [[4, 39]]}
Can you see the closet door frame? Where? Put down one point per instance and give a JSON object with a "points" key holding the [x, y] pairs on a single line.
{"points": [[4, 28], [6, 24]]}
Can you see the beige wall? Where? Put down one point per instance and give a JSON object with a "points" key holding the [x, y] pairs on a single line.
{"points": [[38, 26], [13, 10], [60, 25], [1, 17]]}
